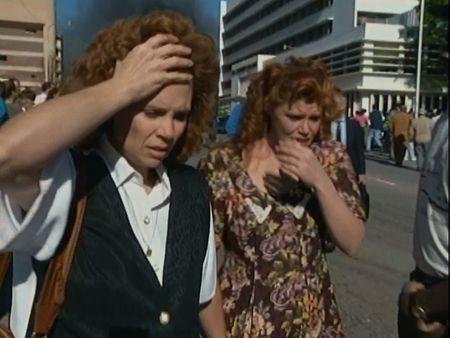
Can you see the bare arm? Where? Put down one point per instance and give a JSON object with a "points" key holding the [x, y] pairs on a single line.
{"points": [[212, 318], [49, 128], [344, 227]]}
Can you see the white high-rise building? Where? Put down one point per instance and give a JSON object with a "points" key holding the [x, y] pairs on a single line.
{"points": [[28, 50], [364, 43]]}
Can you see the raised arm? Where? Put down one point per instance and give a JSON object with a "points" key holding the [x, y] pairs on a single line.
{"points": [[30, 140]]}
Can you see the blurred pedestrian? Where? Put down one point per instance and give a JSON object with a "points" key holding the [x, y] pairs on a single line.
{"points": [[423, 305], [26, 99], [350, 134], [400, 124], [277, 189], [52, 93], [421, 128], [363, 120], [144, 265], [436, 115], [375, 128], [424, 300], [11, 98], [410, 154], [3, 109], [232, 124], [387, 138], [42, 96]]}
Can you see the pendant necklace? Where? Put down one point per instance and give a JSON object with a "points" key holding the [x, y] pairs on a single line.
{"points": [[148, 250]]}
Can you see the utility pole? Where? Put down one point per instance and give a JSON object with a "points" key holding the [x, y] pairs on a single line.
{"points": [[419, 57]]}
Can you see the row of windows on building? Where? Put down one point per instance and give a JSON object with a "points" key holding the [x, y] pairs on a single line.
{"points": [[311, 34], [298, 15], [314, 33], [350, 59]]}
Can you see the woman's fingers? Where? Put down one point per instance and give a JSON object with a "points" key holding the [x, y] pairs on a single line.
{"points": [[176, 62], [159, 40], [287, 159], [153, 64], [173, 50], [175, 77]]}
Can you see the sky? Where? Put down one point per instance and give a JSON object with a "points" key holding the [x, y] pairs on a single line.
{"points": [[77, 21]]}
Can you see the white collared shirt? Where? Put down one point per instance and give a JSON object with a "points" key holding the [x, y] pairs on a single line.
{"points": [[39, 233]]}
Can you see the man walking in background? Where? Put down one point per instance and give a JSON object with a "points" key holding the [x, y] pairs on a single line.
{"points": [[400, 125], [421, 129], [375, 128], [351, 135]]}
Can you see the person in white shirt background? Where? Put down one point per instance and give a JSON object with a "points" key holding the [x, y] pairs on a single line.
{"points": [[147, 86], [42, 96]]}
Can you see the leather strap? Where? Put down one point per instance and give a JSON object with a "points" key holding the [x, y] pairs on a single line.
{"points": [[53, 290], [52, 295], [5, 260]]}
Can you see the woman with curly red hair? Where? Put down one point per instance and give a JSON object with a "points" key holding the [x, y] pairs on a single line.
{"points": [[280, 189], [144, 265]]}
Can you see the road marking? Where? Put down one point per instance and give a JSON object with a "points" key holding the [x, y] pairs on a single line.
{"points": [[392, 184]]}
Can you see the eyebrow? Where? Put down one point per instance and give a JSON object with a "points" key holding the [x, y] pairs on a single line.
{"points": [[160, 109]]}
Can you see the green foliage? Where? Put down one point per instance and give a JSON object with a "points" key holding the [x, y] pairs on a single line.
{"points": [[435, 41]]}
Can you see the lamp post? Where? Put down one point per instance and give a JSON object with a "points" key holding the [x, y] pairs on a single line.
{"points": [[419, 57]]}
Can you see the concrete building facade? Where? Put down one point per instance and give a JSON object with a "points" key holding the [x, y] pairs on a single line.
{"points": [[28, 49], [363, 42]]}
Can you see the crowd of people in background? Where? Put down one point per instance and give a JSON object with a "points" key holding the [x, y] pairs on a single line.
{"points": [[15, 98], [399, 133]]}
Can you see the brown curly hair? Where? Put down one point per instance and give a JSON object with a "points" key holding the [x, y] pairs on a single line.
{"points": [[116, 42], [279, 83]]}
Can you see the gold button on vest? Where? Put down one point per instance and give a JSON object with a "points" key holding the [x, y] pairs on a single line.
{"points": [[164, 318]]}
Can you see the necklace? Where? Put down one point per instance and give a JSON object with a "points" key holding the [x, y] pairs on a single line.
{"points": [[148, 244]]}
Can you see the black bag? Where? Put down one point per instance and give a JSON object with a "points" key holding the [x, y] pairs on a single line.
{"points": [[365, 198]]}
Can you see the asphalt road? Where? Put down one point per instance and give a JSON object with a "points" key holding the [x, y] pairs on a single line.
{"points": [[367, 287]]}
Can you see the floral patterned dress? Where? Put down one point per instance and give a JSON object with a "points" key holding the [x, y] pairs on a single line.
{"points": [[275, 278]]}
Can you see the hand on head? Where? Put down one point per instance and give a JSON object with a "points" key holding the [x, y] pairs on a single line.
{"points": [[152, 65]]}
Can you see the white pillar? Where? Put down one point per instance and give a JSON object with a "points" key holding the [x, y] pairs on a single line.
{"points": [[365, 101], [355, 104], [408, 102], [390, 106], [381, 102], [372, 101]]}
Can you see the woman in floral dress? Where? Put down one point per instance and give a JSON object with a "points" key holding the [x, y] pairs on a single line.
{"points": [[278, 189]]}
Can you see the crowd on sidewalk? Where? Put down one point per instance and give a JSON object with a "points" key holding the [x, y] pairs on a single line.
{"points": [[399, 133], [15, 99]]}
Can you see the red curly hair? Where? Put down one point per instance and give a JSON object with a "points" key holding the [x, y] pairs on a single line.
{"points": [[116, 42], [279, 83]]}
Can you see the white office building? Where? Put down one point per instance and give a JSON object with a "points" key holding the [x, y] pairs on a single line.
{"points": [[364, 43], [28, 43]]}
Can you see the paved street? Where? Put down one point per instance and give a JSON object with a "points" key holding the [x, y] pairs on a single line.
{"points": [[367, 287]]}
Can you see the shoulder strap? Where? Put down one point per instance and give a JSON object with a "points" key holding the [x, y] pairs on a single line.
{"points": [[53, 290], [5, 259]]}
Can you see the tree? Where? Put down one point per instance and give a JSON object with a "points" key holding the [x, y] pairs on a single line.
{"points": [[435, 42]]}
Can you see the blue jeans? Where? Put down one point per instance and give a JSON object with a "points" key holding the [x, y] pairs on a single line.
{"points": [[374, 135]]}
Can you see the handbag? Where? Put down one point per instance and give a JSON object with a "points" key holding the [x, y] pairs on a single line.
{"points": [[365, 198], [51, 297]]}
